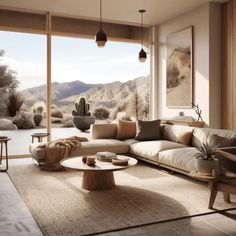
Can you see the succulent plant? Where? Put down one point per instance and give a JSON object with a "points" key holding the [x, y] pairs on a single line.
{"points": [[207, 151], [81, 108]]}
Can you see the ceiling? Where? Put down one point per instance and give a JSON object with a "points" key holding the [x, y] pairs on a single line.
{"points": [[121, 11]]}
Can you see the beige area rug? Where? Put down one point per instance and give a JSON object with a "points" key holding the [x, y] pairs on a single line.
{"points": [[143, 195]]}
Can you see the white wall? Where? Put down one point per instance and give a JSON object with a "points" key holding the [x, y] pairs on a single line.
{"points": [[205, 30]]}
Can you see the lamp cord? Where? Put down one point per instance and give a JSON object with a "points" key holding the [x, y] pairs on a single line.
{"points": [[142, 30], [100, 14]]}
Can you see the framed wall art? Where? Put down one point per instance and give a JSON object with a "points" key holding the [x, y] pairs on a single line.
{"points": [[179, 69]]}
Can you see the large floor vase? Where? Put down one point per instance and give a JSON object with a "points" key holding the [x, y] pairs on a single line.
{"points": [[83, 122]]}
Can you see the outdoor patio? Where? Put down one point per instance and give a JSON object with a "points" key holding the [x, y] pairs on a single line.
{"points": [[20, 139]]}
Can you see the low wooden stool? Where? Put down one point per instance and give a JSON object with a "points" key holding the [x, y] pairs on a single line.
{"points": [[3, 141], [39, 136]]}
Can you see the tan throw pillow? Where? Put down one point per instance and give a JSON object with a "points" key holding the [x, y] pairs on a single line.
{"points": [[185, 138], [126, 129], [222, 141], [148, 130]]}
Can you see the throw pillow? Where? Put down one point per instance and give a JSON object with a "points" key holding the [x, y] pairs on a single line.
{"points": [[222, 141], [148, 130], [125, 129], [185, 138]]}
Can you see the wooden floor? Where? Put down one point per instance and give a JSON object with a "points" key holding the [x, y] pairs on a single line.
{"points": [[16, 220]]}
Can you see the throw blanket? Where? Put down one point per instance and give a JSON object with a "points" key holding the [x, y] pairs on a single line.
{"points": [[58, 150]]}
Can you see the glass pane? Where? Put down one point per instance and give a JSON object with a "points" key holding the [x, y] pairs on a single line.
{"points": [[111, 79], [22, 88]]}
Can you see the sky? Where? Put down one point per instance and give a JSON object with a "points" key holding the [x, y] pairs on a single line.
{"points": [[72, 59]]}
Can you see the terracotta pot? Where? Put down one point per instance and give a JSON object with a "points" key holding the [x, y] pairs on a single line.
{"points": [[205, 167], [83, 122]]}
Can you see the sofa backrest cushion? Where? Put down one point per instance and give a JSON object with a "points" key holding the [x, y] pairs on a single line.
{"points": [[103, 131], [177, 133], [148, 130], [202, 135], [126, 129], [222, 141], [185, 138]]}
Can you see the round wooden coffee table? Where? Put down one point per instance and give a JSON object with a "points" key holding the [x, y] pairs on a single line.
{"points": [[97, 177]]}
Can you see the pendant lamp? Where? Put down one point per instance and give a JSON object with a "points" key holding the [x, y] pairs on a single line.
{"points": [[101, 37], [142, 54]]}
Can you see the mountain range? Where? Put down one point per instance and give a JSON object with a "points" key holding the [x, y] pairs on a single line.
{"points": [[98, 95]]}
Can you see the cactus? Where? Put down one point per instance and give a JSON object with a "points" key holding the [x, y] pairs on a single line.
{"points": [[37, 118], [81, 108]]}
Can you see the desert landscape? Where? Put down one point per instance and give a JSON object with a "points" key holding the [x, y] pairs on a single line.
{"points": [[116, 100]]}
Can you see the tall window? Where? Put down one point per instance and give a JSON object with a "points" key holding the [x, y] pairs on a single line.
{"points": [[22, 87], [111, 80]]}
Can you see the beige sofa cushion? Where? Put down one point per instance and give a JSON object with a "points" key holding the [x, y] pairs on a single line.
{"points": [[173, 132], [185, 138], [181, 158], [222, 141], [104, 131], [87, 148], [150, 149], [126, 129], [37, 153], [202, 135]]}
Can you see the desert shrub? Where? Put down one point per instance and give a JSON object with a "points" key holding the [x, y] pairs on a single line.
{"points": [[37, 118], [6, 124], [123, 116], [14, 102], [56, 113], [68, 121], [121, 107], [39, 107], [101, 113], [23, 120], [55, 120]]}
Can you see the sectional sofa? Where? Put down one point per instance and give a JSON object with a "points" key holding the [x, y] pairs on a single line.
{"points": [[166, 152]]}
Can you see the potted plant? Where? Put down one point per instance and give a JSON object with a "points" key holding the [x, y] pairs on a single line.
{"points": [[82, 117], [206, 159]]}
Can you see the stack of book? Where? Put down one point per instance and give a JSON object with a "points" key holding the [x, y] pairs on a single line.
{"points": [[105, 156]]}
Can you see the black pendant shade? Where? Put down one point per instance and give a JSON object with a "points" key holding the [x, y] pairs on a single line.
{"points": [[142, 56], [101, 37]]}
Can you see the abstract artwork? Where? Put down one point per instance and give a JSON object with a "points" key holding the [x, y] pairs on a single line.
{"points": [[179, 68]]}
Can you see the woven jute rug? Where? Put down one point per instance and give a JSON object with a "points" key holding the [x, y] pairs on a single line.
{"points": [[144, 194]]}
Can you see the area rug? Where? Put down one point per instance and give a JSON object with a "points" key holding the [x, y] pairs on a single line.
{"points": [[144, 194]]}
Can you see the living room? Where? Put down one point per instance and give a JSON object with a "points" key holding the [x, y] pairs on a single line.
{"points": [[118, 148]]}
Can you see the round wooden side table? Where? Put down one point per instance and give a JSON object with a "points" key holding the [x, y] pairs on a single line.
{"points": [[3, 141], [39, 136]]}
